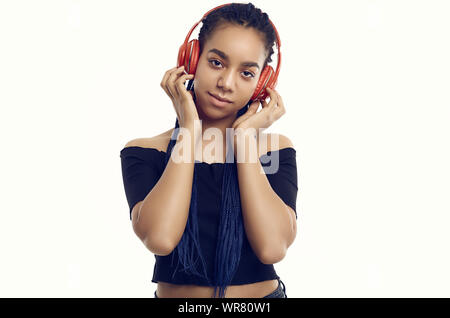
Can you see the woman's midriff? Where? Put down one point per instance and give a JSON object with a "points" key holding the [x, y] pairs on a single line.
{"points": [[254, 290]]}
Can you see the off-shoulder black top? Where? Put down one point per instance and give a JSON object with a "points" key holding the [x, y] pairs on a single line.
{"points": [[141, 170]]}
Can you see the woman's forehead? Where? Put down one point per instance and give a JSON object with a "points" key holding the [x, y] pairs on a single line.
{"points": [[238, 43]]}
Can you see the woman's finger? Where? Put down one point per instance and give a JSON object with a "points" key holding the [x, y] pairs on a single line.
{"points": [[253, 107], [280, 101], [250, 111], [273, 98], [170, 85], [280, 109], [164, 81], [166, 75], [180, 82]]}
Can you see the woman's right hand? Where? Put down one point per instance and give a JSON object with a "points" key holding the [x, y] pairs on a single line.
{"points": [[182, 99]]}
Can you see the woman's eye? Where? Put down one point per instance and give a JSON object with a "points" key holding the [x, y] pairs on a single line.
{"points": [[212, 62], [250, 74]]}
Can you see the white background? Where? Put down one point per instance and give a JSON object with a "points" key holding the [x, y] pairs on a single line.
{"points": [[366, 88]]}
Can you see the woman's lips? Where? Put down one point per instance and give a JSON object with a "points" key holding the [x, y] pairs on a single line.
{"points": [[217, 102]]}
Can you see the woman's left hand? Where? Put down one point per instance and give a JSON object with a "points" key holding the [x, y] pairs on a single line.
{"points": [[269, 113]]}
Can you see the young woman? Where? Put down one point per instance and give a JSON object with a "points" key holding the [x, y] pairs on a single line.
{"points": [[215, 225]]}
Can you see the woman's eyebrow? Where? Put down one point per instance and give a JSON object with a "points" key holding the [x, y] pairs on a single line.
{"points": [[225, 57]]}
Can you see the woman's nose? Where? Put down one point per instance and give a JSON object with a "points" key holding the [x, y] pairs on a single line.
{"points": [[226, 80]]}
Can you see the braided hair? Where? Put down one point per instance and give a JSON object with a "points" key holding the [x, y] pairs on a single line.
{"points": [[231, 228]]}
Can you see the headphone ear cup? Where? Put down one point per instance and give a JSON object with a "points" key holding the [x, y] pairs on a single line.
{"points": [[181, 55], [266, 79], [191, 56]]}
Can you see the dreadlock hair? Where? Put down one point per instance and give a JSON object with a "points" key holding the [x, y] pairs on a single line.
{"points": [[231, 229]]}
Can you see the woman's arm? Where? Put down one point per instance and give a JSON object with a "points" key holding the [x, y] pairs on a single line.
{"points": [[162, 215], [269, 223]]}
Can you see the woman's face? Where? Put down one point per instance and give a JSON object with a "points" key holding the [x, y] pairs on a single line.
{"points": [[229, 67]]}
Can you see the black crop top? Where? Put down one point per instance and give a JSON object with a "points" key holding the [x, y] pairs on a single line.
{"points": [[141, 170]]}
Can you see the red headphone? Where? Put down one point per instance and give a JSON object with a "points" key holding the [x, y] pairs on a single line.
{"points": [[188, 56]]}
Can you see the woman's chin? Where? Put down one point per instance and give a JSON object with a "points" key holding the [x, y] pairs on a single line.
{"points": [[211, 111]]}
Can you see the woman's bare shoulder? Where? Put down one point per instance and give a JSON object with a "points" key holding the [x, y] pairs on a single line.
{"points": [[274, 142], [159, 142]]}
